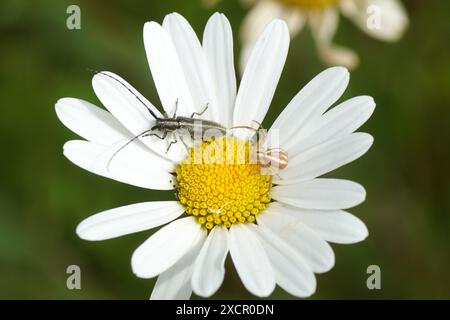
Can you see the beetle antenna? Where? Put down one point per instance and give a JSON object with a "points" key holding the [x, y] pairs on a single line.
{"points": [[122, 147], [125, 86]]}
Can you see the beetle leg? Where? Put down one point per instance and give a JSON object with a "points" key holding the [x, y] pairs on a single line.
{"points": [[176, 109], [164, 135], [200, 113], [170, 144]]}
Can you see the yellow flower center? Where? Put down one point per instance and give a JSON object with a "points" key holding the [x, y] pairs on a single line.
{"points": [[309, 4], [220, 184]]}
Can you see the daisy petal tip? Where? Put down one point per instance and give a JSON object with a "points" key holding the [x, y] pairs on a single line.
{"points": [[307, 291], [60, 105], [371, 99], [142, 275], [146, 27], [282, 25], [328, 267], [343, 71], [64, 104], [87, 231], [312, 290], [136, 267], [83, 232], [80, 232], [336, 74], [172, 17], [149, 25], [363, 196], [366, 235], [366, 99], [370, 139], [360, 231], [151, 29], [277, 27], [61, 102], [220, 19], [217, 19], [216, 15], [370, 102], [360, 196], [262, 292], [67, 145], [362, 235], [279, 23], [204, 293], [97, 78], [365, 139]]}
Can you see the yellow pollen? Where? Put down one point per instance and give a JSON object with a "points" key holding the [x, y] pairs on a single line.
{"points": [[309, 4], [218, 183]]}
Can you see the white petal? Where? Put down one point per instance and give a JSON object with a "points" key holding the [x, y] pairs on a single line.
{"points": [[324, 24], [133, 165], [382, 19], [316, 252], [261, 76], [90, 122], [291, 271], [209, 269], [333, 226], [348, 116], [163, 249], [175, 282], [295, 20], [334, 55], [261, 14], [166, 70], [218, 48], [246, 50], [339, 121], [124, 101], [251, 261], [128, 219], [325, 157], [129, 107], [306, 108], [325, 194], [194, 64]]}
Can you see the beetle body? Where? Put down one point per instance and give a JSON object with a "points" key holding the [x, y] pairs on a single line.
{"points": [[195, 127]]}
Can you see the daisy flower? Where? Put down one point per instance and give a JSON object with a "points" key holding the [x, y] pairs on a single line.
{"points": [[382, 19], [275, 227]]}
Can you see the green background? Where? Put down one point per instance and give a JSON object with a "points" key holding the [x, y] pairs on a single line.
{"points": [[43, 196]]}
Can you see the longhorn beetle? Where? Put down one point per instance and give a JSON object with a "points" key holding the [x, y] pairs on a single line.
{"points": [[168, 124]]}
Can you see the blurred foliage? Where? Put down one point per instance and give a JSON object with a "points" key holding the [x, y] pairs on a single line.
{"points": [[43, 196]]}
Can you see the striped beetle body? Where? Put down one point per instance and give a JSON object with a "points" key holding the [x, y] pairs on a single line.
{"points": [[195, 127]]}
